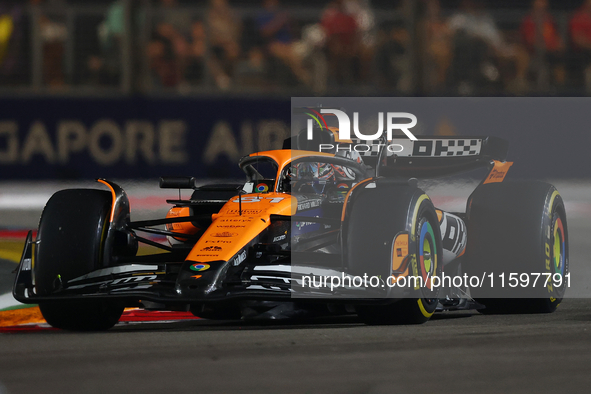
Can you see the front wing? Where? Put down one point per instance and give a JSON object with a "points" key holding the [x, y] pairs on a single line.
{"points": [[176, 283]]}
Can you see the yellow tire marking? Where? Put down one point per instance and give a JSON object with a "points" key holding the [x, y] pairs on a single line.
{"points": [[413, 236], [414, 215], [552, 203], [422, 308]]}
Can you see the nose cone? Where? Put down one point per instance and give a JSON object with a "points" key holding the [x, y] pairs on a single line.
{"points": [[198, 280]]}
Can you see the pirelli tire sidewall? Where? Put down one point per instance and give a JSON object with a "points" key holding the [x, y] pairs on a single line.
{"points": [[427, 232], [375, 213], [374, 217], [511, 230]]}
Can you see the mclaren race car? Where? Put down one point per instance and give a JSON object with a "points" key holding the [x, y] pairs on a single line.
{"points": [[308, 233]]}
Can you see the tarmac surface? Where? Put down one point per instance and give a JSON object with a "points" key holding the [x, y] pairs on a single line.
{"points": [[454, 352]]}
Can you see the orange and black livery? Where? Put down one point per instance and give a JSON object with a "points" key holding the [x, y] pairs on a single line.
{"points": [[245, 250]]}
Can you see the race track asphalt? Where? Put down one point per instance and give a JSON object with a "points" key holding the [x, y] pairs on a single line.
{"points": [[455, 352]]}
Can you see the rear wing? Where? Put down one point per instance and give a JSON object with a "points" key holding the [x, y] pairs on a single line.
{"points": [[424, 157], [436, 156]]}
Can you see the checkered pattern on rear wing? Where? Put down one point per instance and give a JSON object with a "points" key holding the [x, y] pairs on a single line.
{"points": [[404, 147]]}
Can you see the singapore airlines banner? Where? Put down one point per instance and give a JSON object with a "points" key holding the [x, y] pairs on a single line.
{"points": [[78, 138], [135, 138]]}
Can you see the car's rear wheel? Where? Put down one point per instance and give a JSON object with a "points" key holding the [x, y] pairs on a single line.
{"points": [[70, 243], [518, 230]]}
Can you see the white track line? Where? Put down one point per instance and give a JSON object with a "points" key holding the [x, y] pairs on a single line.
{"points": [[7, 301]]}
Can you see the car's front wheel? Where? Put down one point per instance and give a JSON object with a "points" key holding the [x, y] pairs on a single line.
{"points": [[71, 243]]}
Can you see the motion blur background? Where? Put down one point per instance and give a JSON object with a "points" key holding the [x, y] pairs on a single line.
{"points": [[300, 47], [141, 88]]}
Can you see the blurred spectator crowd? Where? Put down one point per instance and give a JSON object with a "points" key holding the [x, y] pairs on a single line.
{"points": [[360, 46]]}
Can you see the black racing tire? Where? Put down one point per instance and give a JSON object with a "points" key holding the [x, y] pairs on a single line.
{"points": [[82, 315], [376, 218], [70, 243], [519, 228]]}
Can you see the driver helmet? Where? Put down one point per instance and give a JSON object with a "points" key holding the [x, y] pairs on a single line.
{"points": [[345, 173]]}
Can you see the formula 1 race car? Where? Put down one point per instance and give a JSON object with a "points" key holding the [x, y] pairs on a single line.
{"points": [[256, 249]]}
